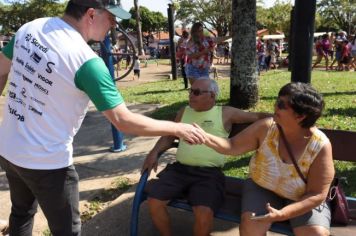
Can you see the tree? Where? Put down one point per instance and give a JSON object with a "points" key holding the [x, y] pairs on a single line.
{"points": [[20, 12], [138, 27], [243, 89], [275, 18], [339, 14], [214, 14], [151, 22]]}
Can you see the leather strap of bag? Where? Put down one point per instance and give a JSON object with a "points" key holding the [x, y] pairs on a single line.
{"points": [[289, 150]]}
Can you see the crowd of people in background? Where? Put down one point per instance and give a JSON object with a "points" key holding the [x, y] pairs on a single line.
{"points": [[267, 54], [339, 48]]}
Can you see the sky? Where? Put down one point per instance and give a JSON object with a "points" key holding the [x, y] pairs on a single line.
{"points": [[162, 5]]}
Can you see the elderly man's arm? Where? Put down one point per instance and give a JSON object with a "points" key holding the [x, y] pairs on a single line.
{"points": [[5, 65], [233, 115], [163, 144]]}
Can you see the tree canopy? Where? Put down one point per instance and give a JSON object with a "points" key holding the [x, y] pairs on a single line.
{"points": [[214, 14], [19, 12], [151, 20], [274, 18], [337, 14]]}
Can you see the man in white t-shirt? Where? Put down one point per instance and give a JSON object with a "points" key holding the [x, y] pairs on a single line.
{"points": [[53, 74]]}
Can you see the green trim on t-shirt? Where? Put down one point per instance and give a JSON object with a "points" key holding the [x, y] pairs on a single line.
{"points": [[8, 50], [94, 79]]}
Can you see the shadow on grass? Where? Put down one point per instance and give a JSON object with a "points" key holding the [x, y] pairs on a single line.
{"points": [[168, 112], [348, 111], [156, 92], [237, 162], [327, 94]]}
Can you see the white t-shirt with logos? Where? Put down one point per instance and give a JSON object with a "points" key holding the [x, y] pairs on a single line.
{"points": [[54, 73]]}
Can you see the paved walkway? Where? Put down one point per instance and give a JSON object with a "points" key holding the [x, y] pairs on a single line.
{"points": [[97, 168]]}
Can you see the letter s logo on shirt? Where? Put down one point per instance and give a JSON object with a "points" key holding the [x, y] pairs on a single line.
{"points": [[49, 67]]}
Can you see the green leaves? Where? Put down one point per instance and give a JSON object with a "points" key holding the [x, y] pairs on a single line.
{"points": [[13, 16]]}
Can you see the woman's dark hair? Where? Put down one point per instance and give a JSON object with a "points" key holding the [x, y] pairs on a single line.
{"points": [[75, 11], [194, 30], [325, 36], [304, 100]]}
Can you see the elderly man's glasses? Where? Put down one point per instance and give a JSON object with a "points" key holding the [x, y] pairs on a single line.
{"points": [[198, 92], [280, 104]]}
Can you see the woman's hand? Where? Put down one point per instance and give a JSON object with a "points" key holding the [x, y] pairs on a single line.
{"points": [[273, 215]]}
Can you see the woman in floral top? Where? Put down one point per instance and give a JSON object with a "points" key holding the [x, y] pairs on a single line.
{"points": [[199, 54]]}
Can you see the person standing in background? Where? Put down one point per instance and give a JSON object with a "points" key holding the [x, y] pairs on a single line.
{"points": [[199, 51], [181, 55]]}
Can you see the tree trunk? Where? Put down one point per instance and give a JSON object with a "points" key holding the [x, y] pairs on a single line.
{"points": [[243, 89], [139, 31]]}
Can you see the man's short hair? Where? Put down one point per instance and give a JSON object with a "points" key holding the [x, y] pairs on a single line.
{"points": [[213, 86], [75, 11], [77, 8]]}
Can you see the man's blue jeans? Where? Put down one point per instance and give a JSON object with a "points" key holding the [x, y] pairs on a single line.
{"points": [[56, 191]]}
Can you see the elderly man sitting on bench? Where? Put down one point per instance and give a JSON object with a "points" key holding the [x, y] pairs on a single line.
{"points": [[198, 169]]}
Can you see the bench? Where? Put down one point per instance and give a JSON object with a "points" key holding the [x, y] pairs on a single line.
{"points": [[343, 143]]}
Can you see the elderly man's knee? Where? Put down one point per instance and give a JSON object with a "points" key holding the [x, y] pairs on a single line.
{"points": [[156, 203], [203, 214]]}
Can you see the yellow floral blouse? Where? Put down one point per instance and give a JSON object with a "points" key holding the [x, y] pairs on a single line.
{"points": [[268, 170]]}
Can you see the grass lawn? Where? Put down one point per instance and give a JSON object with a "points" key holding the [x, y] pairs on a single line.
{"points": [[338, 89]]}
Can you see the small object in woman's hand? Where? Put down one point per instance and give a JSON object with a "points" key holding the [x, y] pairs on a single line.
{"points": [[260, 217]]}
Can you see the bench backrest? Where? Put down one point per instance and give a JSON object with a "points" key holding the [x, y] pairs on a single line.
{"points": [[343, 142]]}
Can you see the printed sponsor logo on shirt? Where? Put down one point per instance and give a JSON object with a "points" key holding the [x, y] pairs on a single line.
{"points": [[20, 61], [25, 48], [38, 101], [14, 98], [36, 58], [26, 79], [18, 72], [44, 79], [29, 68], [28, 37], [207, 123], [23, 92], [34, 41], [40, 88], [13, 111], [49, 68], [13, 84], [12, 95], [34, 110]]}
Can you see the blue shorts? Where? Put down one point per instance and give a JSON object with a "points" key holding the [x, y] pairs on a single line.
{"points": [[338, 55], [196, 73]]}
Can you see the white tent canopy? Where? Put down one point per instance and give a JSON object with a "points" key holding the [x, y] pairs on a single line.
{"points": [[273, 36], [317, 34]]}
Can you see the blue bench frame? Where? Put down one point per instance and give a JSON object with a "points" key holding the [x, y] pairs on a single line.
{"points": [[343, 143]]}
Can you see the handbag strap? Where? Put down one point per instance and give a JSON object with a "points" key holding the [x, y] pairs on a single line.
{"points": [[289, 150]]}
